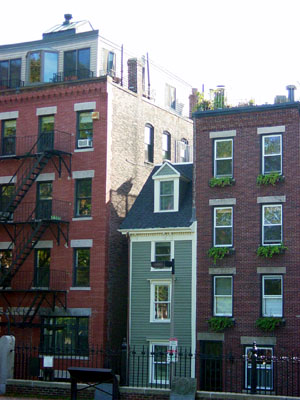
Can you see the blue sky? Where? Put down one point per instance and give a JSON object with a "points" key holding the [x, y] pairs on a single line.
{"points": [[251, 47]]}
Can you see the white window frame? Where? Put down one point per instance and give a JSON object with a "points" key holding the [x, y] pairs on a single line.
{"points": [[152, 362], [225, 158], [265, 297], [166, 145], [271, 155], [265, 225], [260, 367], [157, 195], [154, 284], [153, 254], [222, 296], [221, 226]]}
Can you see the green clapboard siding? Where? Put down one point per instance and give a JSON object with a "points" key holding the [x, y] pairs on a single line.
{"points": [[141, 328]]}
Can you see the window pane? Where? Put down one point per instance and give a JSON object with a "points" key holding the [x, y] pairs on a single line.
{"points": [[272, 215], [223, 286], [272, 286], [47, 124], [84, 187], [50, 65], [166, 195], [69, 63], [82, 267], [223, 305], [85, 125], [83, 194], [148, 136], [167, 187], [4, 72], [224, 149], [83, 63], [272, 164], [161, 293], [223, 236], [35, 67], [223, 217], [162, 251], [272, 234], [15, 72], [272, 145], [9, 128], [224, 167], [273, 307]]}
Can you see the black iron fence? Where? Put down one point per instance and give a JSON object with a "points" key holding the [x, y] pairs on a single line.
{"points": [[145, 367]]}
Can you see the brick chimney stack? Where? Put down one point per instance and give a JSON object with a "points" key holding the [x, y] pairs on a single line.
{"points": [[135, 75], [193, 101]]}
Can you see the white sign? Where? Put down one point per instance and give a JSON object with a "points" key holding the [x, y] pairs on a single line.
{"points": [[172, 355], [48, 361]]}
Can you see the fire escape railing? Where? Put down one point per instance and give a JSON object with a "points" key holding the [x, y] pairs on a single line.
{"points": [[33, 223], [36, 157]]}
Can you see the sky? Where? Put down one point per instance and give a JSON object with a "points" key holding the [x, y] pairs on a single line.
{"points": [[250, 47]]}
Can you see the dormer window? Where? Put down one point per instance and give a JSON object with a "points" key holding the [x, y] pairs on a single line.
{"points": [[10, 73], [166, 195], [166, 188], [42, 66]]}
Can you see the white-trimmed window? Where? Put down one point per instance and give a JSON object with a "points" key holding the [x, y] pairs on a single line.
{"points": [[162, 251], [223, 296], [272, 154], [149, 143], [223, 157], [272, 296], [223, 226], [166, 146], [264, 367], [159, 363], [166, 196], [160, 307], [272, 224]]}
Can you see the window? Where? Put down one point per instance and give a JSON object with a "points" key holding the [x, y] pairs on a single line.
{"points": [[159, 363], [223, 157], [10, 73], [82, 267], [84, 129], [42, 268], [162, 251], [167, 195], [166, 146], [223, 296], [9, 128], [183, 151], [272, 296], [264, 367], [44, 200], [109, 63], [5, 260], [7, 193], [83, 201], [223, 226], [160, 301], [77, 64], [149, 143], [46, 133], [65, 335], [272, 154], [42, 66], [272, 224], [171, 97]]}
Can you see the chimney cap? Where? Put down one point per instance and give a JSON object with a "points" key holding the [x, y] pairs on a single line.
{"points": [[67, 17]]}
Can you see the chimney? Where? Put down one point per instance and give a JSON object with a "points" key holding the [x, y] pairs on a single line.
{"points": [[291, 92], [68, 17], [135, 75], [193, 98]]}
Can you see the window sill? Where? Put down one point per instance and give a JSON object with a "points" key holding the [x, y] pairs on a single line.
{"points": [[83, 150], [166, 321], [80, 288], [82, 218]]}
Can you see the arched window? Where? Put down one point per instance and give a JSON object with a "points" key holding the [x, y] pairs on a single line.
{"points": [[166, 146], [149, 142]]}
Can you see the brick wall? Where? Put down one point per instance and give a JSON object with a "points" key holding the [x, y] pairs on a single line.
{"points": [[247, 222]]}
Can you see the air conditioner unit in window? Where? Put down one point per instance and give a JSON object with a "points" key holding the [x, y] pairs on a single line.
{"points": [[85, 143]]}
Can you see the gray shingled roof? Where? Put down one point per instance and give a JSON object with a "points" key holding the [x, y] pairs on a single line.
{"points": [[141, 215]]}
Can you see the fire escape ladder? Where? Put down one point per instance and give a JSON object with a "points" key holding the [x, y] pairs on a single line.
{"points": [[38, 299], [27, 174], [25, 245]]}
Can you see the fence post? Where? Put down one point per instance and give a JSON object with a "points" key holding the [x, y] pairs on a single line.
{"points": [[254, 369], [123, 377]]}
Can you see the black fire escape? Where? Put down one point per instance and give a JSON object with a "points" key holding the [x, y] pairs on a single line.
{"points": [[26, 223]]}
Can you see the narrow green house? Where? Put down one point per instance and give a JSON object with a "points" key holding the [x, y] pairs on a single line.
{"points": [[162, 276]]}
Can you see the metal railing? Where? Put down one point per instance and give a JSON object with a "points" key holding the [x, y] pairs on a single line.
{"points": [[10, 83], [45, 278], [276, 375], [45, 142], [47, 210], [73, 75]]}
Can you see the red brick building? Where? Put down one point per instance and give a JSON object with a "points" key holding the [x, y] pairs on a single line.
{"points": [[76, 148], [247, 200]]}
